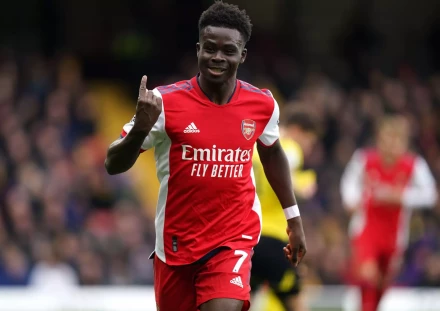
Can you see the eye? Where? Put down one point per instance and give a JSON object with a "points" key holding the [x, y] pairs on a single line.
{"points": [[230, 52], [209, 49]]}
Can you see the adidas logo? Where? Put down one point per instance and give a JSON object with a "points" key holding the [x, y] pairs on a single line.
{"points": [[192, 128], [237, 281]]}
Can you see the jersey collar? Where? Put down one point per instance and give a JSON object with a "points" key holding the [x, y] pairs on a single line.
{"points": [[196, 85]]}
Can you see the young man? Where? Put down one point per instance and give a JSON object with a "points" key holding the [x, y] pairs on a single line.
{"points": [[379, 188], [269, 266], [203, 131]]}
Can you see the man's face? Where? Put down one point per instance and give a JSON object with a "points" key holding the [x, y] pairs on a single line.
{"points": [[393, 142], [220, 52]]}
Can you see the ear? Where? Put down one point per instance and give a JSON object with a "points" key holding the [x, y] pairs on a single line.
{"points": [[198, 48], [243, 55]]}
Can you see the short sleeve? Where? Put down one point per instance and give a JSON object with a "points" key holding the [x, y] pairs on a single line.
{"points": [[421, 190], [157, 133], [271, 132]]}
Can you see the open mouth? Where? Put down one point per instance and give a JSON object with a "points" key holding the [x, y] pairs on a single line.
{"points": [[216, 71]]}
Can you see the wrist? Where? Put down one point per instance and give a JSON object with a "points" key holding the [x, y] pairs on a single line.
{"points": [[294, 222], [291, 212], [140, 130]]}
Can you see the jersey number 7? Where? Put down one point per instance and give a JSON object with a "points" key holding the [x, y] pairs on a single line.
{"points": [[240, 261]]}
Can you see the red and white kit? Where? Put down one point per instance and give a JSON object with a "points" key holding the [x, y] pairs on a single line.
{"points": [[207, 196], [379, 231]]}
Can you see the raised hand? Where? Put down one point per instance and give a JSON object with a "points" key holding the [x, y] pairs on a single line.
{"points": [[148, 108]]}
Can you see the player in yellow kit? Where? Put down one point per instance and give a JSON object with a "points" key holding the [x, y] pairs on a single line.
{"points": [[269, 266]]}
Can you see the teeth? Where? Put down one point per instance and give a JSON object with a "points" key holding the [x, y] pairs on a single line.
{"points": [[218, 70]]}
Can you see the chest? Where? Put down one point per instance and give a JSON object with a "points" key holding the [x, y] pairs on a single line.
{"points": [[398, 174], [206, 126]]}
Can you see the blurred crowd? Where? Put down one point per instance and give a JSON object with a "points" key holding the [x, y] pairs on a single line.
{"points": [[349, 116], [64, 221]]}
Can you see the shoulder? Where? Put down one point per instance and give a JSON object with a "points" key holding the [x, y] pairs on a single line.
{"points": [[412, 156], [262, 101], [411, 159], [361, 156], [176, 88], [367, 153], [255, 92], [174, 94]]}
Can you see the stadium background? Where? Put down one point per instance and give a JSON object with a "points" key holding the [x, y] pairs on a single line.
{"points": [[69, 75]]}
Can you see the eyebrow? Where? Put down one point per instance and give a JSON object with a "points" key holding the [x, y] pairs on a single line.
{"points": [[227, 45]]}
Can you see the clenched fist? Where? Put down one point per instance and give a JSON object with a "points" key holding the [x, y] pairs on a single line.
{"points": [[148, 108]]}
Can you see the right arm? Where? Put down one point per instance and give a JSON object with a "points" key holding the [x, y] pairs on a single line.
{"points": [[140, 133], [123, 153]]}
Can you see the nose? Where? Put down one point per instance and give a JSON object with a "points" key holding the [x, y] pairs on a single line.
{"points": [[218, 57]]}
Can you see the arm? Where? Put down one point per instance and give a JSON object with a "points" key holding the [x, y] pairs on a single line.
{"points": [[142, 132], [277, 170], [352, 182], [123, 153], [421, 191]]}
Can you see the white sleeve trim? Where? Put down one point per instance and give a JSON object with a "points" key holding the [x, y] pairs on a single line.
{"points": [[271, 132], [421, 191], [156, 134], [352, 181]]}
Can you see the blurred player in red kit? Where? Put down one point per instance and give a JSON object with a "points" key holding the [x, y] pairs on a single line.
{"points": [[203, 131], [380, 187]]}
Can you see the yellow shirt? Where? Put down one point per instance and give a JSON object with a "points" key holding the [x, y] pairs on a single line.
{"points": [[274, 221]]}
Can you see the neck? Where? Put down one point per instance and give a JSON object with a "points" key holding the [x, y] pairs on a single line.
{"points": [[218, 93], [388, 159]]}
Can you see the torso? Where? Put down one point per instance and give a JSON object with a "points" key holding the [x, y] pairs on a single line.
{"points": [[207, 197]]}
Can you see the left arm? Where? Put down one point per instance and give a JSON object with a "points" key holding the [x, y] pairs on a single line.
{"points": [[421, 191], [277, 171]]}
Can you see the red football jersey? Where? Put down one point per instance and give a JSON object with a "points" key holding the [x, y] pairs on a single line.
{"points": [[203, 154], [379, 221]]}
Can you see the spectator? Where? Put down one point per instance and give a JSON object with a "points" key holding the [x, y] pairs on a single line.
{"points": [[49, 272]]}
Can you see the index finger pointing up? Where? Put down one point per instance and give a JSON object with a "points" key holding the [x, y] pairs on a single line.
{"points": [[143, 87]]}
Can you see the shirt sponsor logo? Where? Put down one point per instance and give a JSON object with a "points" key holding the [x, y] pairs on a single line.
{"points": [[230, 161]]}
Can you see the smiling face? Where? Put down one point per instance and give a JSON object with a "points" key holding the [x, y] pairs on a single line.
{"points": [[220, 52]]}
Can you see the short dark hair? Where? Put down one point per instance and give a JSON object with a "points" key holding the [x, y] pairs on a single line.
{"points": [[226, 15], [304, 120]]}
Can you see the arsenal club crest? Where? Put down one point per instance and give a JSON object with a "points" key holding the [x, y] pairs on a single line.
{"points": [[248, 127]]}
